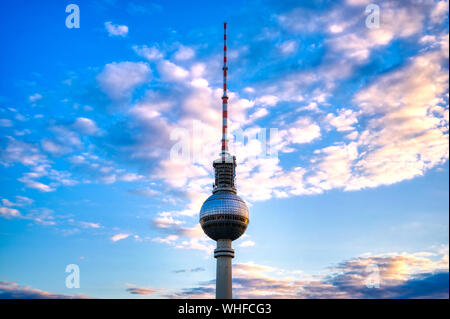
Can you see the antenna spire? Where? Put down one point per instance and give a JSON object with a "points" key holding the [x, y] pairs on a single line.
{"points": [[224, 97]]}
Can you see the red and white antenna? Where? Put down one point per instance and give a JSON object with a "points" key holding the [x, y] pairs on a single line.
{"points": [[224, 97]]}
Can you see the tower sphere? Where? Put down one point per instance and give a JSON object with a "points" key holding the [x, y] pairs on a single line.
{"points": [[224, 215]]}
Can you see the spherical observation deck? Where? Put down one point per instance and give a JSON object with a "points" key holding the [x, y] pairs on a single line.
{"points": [[224, 215]]}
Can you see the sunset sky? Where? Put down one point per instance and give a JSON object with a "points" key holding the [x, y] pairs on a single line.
{"points": [[356, 185]]}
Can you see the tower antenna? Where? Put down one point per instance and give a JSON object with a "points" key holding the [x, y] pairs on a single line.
{"points": [[224, 97]]}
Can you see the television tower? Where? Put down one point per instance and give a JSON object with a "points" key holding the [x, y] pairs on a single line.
{"points": [[224, 215]]}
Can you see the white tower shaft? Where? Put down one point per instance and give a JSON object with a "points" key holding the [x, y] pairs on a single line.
{"points": [[224, 253]]}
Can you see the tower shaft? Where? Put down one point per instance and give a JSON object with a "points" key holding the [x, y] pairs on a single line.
{"points": [[224, 253]]}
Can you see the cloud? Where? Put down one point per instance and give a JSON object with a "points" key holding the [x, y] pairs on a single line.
{"points": [[344, 120], [120, 236], [54, 148], [143, 291], [35, 97], [92, 225], [6, 202], [150, 53], [181, 237], [42, 216], [6, 123], [169, 239], [247, 243], [30, 183], [172, 72], [415, 275], [130, 177], [7, 212], [333, 166], [184, 53], [12, 290], [118, 80], [66, 138], [85, 126], [196, 244], [166, 221], [303, 130], [439, 11], [197, 269], [57, 178], [267, 100], [25, 153], [258, 114], [409, 133], [288, 47], [115, 29], [20, 201]]}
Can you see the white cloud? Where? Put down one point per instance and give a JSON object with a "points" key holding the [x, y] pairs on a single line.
{"points": [[130, 177], [195, 244], [439, 12], [267, 100], [169, 239], [116, 29], [258, 114], [86, 126], [65, 138], [184, 53], [150, 53], [7, 212], [30, 183], [166, 221], [247, 243], [172, 72], [333, 166], [288, 47], [6, 202], [54, 147], [304, 130], [410, 131], [20, 201], [118, 80], [90, 225], [35, 97], [119, 237], [18, 151], [337, 28], [344, 120]]}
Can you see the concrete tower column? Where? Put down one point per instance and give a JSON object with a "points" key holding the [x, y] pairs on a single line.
{"points": [[224, 253]]}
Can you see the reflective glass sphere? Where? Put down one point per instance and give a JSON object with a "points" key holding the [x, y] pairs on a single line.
{"points": [[224, 215]]}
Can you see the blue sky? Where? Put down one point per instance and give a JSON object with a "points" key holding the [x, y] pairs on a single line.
{"points": [[90, 116]]}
